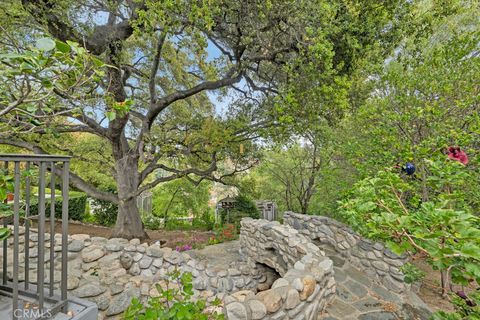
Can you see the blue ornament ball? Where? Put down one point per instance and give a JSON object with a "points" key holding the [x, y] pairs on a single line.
{"points": [[410, 168]]}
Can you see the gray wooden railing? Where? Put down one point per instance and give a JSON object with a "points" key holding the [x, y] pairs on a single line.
{"points": [[48, 301]]}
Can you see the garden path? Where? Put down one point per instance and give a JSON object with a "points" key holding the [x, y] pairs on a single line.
{"points": [[359, 297]]}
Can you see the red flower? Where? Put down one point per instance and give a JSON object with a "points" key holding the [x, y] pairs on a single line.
{"points": [[455, 153]]}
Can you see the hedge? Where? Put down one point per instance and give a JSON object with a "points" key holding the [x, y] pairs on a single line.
{"points": [[77, 204]]}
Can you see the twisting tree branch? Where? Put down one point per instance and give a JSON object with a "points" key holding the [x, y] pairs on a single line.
{"points": [[97, 42], [231, 77], [153, 72]]}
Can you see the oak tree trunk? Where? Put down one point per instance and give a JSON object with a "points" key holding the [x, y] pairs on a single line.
{"points": [[129, 224]]}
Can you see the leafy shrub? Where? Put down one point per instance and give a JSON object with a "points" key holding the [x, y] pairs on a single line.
{"points": [[77, 203], [173, 224], [412, 273], [467, 307], [244, 207], [88, 217], [179, 197], [173, 303], [151, 222], [104, 212], [205, 221], [442, 229], [6, 186]]}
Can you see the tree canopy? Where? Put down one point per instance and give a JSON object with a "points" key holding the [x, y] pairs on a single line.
{"points": [[146, 77]]}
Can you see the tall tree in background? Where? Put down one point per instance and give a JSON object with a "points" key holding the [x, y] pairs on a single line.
{"points": [[426, 98], [158, 60], [295, 171]]}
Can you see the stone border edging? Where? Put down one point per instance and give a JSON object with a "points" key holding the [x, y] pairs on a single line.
{"points": [[369, 256]]}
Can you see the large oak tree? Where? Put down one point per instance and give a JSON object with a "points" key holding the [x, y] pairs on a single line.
{"points": [[158, 59]]}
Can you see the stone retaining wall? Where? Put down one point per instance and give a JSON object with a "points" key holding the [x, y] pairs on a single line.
{"points": [[371, 257], [110, 272], [307, 282]]}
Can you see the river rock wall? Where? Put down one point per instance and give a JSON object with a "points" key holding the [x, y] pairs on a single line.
{"points": [[110, 272], [306, 286], [371, 257]]}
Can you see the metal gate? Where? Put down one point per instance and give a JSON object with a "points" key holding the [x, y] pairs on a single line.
{"points": [[25, 293]]}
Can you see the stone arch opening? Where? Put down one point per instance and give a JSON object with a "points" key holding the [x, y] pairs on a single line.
{"points": [[275, 260], [269, 276]]}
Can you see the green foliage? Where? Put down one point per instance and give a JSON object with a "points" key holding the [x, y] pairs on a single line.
{"points": [[206, 220], [76, 206], [383, 208], [173, 224], [6, 186], [95, 154], [243, 207], [425, 98], [181, 198], [361, 86], [151, 222], [466, 308], [170, 53], [4, 233], [174, 302], [454, 183], [88, 218], [30, 76], [412, 273], [104, 212], [298, 177]]}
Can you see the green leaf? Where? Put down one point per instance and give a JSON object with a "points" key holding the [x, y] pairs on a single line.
{"points": [[47, 83], [45, 44], [471, 250], [76, 48], [97, 62], [11, 56], [4, 233], [473, 268], [397, 248], [111, 115], [62, 46], [31, 108], [3, 194]]}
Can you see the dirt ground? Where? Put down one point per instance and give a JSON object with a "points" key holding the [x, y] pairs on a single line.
{"points": [[431, 292], [168, 238]]}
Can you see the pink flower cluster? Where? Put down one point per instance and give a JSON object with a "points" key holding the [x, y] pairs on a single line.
{"points": [[185, 247]]}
